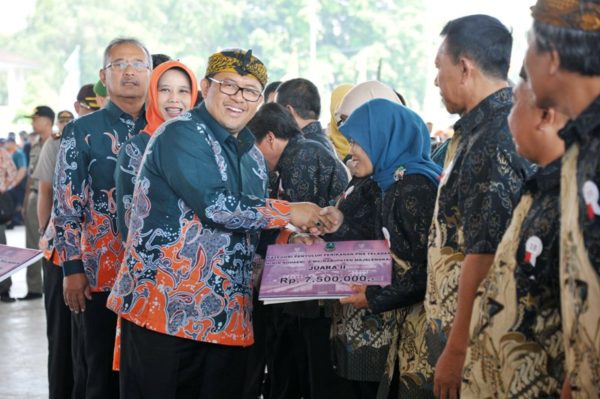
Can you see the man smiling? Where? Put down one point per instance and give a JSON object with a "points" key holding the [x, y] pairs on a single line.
{"points": [[184, 290]]}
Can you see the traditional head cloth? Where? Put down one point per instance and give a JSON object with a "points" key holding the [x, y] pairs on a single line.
{"points": [[153, 114], [339, 142], [363, 92], [237, 61], [571, 14], [396, 140]]}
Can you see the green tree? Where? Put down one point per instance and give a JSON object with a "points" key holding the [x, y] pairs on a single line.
{"points": [[330, 42]]}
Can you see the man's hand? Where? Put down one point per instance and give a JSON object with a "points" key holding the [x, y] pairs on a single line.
{"points": [[448, 374], [76, 289], [306, 215], [358, 300]]}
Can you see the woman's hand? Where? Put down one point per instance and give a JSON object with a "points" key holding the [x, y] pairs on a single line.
{"points": [[359, 299], [309, 217], [334, 218], [302, 238]]}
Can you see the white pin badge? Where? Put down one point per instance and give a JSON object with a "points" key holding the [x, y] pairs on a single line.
{"points": [[386, 235], [591, 195], [348, 192], [533, 249]]}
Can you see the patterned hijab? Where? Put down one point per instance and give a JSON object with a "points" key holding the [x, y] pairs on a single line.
{"points": [[396, 140], [153, 114]]}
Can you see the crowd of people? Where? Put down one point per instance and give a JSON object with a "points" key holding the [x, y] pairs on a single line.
{"points": [[156, 205]]}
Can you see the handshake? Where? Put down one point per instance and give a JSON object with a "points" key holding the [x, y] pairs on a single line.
{"points": [[312, 219]]}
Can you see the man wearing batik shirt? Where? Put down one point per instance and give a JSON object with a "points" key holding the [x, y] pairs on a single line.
{"points": [[58, 316], [301, 98], [516, 347], [481, 183], [563, 65], [84, 215], [184, 290], [307, 171]]}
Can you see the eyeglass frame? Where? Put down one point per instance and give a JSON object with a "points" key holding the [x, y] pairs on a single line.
{"points": [[141, 65], [243, 89]]}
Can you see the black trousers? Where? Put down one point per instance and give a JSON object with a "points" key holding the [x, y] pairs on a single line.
{"points": [[58, 331], [93, 339], [155, 365], [300, 365], [257, 381]]}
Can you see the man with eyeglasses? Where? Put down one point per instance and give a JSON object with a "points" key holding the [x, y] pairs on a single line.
{"points": [[184, 291], [86, 239]]}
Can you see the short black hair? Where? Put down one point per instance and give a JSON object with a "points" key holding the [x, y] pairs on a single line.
{"points": [[273, 117], [483, 39], [271, 88], [578, 50], [158, 59], [302, 95]]}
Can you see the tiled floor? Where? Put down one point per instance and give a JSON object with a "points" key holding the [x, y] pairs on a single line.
{"points": [[23, 344]]}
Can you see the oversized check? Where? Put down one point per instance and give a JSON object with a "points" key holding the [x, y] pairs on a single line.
{"points": [[13, 259], [298, 272]]}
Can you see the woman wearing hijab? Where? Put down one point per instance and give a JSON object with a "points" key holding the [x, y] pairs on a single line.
{"points": [[173, 90], [390, 146], [340, 143], [360, 339]]}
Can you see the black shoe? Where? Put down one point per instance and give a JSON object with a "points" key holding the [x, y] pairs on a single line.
{"points": [[31, 295], [6, 298]]}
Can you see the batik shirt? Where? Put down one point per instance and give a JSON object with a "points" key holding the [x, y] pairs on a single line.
{"points": [[580, 251], [84, 214], [516, 348], [309, 172], [314, 131], [198, 207], [481, 183], [128, 166]]}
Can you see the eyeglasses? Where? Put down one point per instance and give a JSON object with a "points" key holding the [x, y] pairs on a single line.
{"points": [[122, 65], [231, 89]]}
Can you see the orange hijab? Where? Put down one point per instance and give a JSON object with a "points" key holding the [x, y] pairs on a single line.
{"points": [[153, 115]]}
